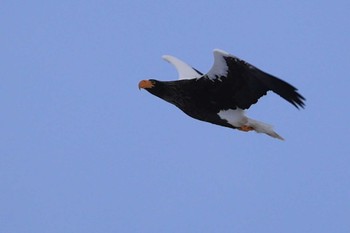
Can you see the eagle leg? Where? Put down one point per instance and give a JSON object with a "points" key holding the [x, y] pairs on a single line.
{"points": [[245, 128]]}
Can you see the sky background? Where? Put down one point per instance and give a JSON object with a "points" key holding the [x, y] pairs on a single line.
{"points": [[83, 150]]}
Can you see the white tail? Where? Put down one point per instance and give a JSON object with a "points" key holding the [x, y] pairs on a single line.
{"points": [[261, 127]]}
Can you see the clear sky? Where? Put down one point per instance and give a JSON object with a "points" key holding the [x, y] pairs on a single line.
{"points": [[83, 150]]}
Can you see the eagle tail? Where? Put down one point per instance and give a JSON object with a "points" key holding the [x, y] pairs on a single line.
{"points": [[261, 127]]}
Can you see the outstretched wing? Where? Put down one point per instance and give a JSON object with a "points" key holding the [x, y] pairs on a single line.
{"points": [[246, 83], [184, 70]]}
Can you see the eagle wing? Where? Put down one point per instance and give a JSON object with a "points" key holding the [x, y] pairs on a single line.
{"points": [[184, 70], [244, 84]]}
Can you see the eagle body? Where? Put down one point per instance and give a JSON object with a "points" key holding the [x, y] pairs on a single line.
{"points": [[202, 103], [221, 96]]}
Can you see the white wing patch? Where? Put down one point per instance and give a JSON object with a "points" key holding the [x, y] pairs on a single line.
{"points": [[219, 67], [184, 70]]}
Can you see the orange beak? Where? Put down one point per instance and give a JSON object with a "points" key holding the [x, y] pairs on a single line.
{"points": [[145, 84]]}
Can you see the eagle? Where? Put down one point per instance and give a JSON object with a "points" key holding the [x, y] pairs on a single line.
{"points": [[222, 95]]}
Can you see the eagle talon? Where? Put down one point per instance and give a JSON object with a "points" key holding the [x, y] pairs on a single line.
{"points": [[245, 128]]}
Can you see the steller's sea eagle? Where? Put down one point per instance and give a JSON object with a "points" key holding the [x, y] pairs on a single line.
{"points": [[222, 95]]}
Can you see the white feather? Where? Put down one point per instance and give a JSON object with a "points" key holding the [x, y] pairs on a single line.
{"points": [[219, 67], [184, 70], [237, 118], [261, 127]]}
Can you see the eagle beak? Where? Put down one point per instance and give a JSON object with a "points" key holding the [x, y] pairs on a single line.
{"points": [[145, 84]]}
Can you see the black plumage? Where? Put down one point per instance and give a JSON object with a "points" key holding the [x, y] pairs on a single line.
{"points": [[249, 83]]}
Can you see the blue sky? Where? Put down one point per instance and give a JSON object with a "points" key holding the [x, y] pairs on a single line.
{"points": [[83, 150]]}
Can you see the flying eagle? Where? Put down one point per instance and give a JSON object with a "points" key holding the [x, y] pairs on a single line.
{"points": [[222, 95]]}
